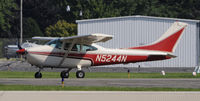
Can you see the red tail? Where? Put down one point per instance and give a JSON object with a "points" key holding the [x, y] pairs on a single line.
{"points": [[168, 41]]}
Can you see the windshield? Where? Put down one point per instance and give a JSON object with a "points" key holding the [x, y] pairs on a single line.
{"points": [[55, 43]]}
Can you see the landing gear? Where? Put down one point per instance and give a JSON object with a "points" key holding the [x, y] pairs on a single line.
{"points": [[80, 74], [38, 75], [65, 73]]}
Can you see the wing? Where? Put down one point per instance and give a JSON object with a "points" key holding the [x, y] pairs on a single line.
{"points": [[45, 38], [89, 39], [84, 39]]}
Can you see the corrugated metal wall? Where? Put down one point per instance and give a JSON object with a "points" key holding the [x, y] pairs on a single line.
{"points": [[198, 43], [136, 31]]}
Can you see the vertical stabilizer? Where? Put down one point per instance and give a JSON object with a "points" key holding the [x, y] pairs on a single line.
{"points": [[168, 41]]}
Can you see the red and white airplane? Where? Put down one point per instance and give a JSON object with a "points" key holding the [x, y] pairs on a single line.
{"points": [[80, 51]]}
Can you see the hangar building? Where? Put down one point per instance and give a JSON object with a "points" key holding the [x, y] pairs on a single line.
{"points": [[138, 30]]}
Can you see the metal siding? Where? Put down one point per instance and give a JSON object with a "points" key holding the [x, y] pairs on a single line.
{"points": [[137, 31], [198, 43]]}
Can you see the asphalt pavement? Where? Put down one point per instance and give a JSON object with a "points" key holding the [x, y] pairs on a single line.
{"points": [[97, 96], [171, 83]]}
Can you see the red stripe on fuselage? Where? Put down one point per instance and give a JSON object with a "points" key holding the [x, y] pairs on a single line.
{"points": [[98, 59]]}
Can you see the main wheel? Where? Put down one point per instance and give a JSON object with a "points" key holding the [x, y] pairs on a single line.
{"points": [[38, 75], [80, 74], [64, 74]]}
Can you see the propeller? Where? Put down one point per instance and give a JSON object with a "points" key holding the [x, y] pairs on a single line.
{"points": [[21, 50], [19, 46]]}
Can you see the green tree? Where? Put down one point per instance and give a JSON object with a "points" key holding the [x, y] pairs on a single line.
{"points": [[45, 12], [49, 12], [31, 28], [61, 29], [7, 17]]}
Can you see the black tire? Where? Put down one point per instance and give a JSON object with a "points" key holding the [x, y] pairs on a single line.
{"points": [[80, 74], [64, 74], [7, 57], [38, 75]]}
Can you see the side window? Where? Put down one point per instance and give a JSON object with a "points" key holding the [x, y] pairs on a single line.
{"points": [[76, 47], [67, 45], [88, 48]]}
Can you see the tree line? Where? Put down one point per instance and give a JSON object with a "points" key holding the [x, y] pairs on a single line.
{"points": [[57, 17]]}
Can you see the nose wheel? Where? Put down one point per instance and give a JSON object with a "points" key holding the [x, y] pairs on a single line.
{"points": [[64, 74], [80, 74], [38, 75]]}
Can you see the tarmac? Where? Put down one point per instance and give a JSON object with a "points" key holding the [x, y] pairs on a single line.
{"points": [[167, 83], [97, 96]]}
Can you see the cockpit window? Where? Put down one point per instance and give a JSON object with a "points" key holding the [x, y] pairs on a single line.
{"points": [[67, 45], [79, 47], [55, 43], [76, 47], [88, 48]]}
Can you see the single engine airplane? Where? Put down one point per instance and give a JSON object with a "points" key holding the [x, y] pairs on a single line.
{"points": [[81, 51]]}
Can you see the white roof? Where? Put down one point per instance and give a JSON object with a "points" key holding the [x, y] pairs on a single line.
{"points": [[137, 16], [14, 46]]}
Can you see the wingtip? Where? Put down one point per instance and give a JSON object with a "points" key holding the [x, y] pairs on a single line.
{"points": [[102, 34]]}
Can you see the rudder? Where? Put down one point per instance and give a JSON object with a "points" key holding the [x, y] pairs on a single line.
{"points": [[168, 41]]}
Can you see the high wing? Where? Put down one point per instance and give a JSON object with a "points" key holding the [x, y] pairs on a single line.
{"points": [[44, 38], [84, 39]]}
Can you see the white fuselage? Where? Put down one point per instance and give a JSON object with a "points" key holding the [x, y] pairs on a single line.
{"points": [[47, 56]]}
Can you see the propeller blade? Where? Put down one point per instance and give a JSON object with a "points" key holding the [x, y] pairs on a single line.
{"points": [[19, 46]]}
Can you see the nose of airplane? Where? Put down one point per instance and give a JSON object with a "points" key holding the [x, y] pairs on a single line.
{"points": [[21, 51]]}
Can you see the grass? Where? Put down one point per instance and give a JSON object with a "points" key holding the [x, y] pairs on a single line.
{"points": [[79, 88], [10, 74], [11, 59], [13, 74]]}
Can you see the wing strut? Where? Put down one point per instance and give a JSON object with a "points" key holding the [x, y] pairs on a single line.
{"points": [[66, 53]]}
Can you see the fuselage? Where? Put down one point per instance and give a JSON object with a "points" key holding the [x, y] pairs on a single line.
{"points": [[80, 51], [48, 56]]}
